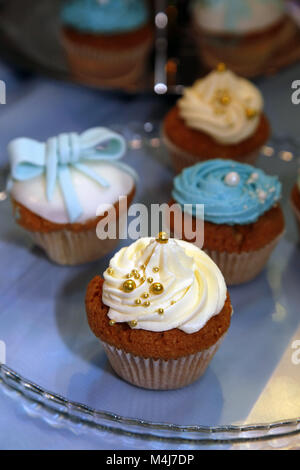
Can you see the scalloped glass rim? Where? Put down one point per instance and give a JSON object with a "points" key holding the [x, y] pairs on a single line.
{"points": [[71, 413], [103, 420]]}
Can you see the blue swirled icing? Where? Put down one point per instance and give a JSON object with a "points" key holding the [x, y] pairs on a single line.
{"points": [[204, 183], [106, 16]]}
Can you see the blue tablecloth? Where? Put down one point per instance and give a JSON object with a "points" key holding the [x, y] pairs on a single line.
{"points": [[39, 107]]}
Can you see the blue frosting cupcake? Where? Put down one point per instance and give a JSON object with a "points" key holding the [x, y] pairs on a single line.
{"points": [[107, 42], [105, 16], [232, 193], [243, 220]]}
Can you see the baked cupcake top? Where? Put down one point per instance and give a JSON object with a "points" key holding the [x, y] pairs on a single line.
{"points": [[160, 284], [224, 106], [237, 17], [232, 193], [105, 16], [67, 178]]}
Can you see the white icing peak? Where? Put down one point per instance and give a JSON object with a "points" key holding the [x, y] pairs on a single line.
{"points": [[223, 105], [191, 286]]}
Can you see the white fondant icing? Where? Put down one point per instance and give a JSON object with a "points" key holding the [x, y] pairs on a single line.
{"points": [[32, 193]]}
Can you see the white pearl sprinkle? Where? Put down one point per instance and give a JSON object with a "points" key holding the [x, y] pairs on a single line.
{"points": [[253, 177], [232, 178], [262, 195]]}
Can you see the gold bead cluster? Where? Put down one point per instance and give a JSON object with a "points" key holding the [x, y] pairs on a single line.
{"points": [[223, 98], [155, 288]]}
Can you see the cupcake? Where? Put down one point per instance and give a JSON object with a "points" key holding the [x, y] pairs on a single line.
{"points": [[220, 116], [161, 312], [243, 220], [246, 34], [295, 200], [62, 189], [107, 42]]}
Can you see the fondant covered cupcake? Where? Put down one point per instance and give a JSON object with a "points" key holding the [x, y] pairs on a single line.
{"points": [[243, 220], [295, 200], [107, 42], [244, 33], [161, 312], [61, 190], [220, 116]]}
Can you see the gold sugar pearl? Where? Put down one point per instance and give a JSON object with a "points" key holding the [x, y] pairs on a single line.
{"points": [[225, 99], [128, 286], [156, 288], [221, 67], [150, 280], [110, 271], [143, 278], [128, 276], [133, 323], [146, 295], [147, 303], [162, 237], [138, 301], [137, 276], [143, 266], [112, 322], [251, 113], [155, 270], [160, 311], [134, 272]]}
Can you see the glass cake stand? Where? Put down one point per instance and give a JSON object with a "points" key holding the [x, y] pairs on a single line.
{"points": [[56, 369]]}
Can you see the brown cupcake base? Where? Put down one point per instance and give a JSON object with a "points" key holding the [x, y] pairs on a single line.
{"points": [[188, 146], [172, 344], [240, 251], [238, 268], [116, 61], [160, 374], [155, 360], [69, 244], [70, 248]]}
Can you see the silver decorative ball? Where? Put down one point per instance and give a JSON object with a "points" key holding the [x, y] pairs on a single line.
{"points": [[232, 178]]}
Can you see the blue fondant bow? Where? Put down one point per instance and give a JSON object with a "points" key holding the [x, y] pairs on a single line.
{"points": [[54, 158]]}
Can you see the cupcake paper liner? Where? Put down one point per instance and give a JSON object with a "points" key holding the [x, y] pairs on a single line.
{"points": [[297, 213], [238, 268], [182, 159], [159, 374], [70, 248], [101, 66]]}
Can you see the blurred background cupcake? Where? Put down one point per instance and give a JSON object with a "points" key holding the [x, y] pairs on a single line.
{"points": [[295, 200], [220, 116], [107, 42], [243, 221], [245, 33]]}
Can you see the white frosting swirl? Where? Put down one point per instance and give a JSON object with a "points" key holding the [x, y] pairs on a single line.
{"points": [[194, 288], [222, 105], [241, 17]]}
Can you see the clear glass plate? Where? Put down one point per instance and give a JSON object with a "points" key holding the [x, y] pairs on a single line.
{"points": [[57, 369]]}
